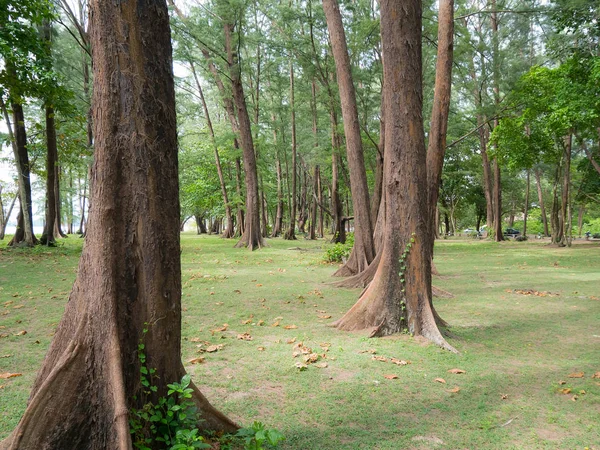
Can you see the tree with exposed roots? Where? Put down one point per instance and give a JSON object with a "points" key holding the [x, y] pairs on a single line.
{"points": [[399, 297], [129, 275]]}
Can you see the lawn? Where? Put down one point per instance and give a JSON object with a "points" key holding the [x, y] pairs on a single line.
{"points": [[525, 316]]}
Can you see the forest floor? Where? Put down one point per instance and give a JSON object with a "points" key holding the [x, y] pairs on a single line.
{"points": [[525, 318]]}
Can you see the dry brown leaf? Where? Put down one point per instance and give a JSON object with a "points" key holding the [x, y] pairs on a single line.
{"points": [[246, 322], [311, 358], [325, 345], [322, 311], [325, 317], [2, 386], [561, 382], [195, 340], [223, 328], [504, 396], [440, 380], [574, 398], [296, 354], [213, 348], [565, 391], [197, 360], [391, 377], [321, 365], [301, 366], [18, 306], [5, 356], [237, 291], [291, 341], [261, 349], [290, 327], [596, 375], [371, 350], [3, 335], [244, 337], [576, 375], [400, 362], [454, 390], [582, 392], [379, 358], [7, 375], [260, 323], [21, 333], [457, 371], [275, 324], [258, 285]]}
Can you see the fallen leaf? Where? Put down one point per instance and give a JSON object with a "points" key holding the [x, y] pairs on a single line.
{"points": [[244, 337], [574, 398], [2, 386], [197, 360], [504, 396], [456, 371], [5, 356], [561, 382], [246, 322], [325, 317], [237, 291], [213, 348], [596, 375], [296, 354], [301, 366], [322, 311], [275, 324], [261, 349], [400, 362], [21, 333], [379, 358], [291, 341], [454, 390], [576, 375], [18, 306], [218, 330], [325, 345], [195, 340], [290, 327], [3, 335], [7, 375], [565, 391], [440, 380], [321, 365], [311, 358], [260, 323], [391, 377], [582, 392], [371, 350]]}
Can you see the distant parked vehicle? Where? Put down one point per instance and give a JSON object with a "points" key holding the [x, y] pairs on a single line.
{"points": [[511, 232]]}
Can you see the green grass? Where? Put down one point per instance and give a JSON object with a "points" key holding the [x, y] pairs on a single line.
{"points": [[512, 345]]}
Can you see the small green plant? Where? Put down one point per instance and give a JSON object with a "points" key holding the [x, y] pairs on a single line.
{"points": [[257, 435], [402, 272], [339, 252], [172, 420]]}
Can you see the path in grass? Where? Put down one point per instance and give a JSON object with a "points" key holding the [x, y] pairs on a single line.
{"points": [[524, 316]]}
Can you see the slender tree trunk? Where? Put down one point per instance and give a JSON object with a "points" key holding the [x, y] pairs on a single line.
{"points": [[51, 160], [290, 234], [526, 208], [83, 198], [314, 210], [363, 251], [394, 302], [580, 215], [565, 215], [339, 232], [278, 224], [22, 162], [538, 183], [498, 235], [557, 230], [129, 277], [4, 217], [238, 185], [229, 231]]}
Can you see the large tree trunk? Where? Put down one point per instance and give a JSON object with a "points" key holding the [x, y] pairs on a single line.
{"points": [[393, 302], [290, 234], [363, 250], [129, 276]]}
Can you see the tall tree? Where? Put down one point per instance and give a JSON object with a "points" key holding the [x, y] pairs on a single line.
{"points": [[399, 296], [363, 251], [129, 275]]}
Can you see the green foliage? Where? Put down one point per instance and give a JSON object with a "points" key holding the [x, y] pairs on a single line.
{"points": [[172, 420], [339, 252], [256, 436]]}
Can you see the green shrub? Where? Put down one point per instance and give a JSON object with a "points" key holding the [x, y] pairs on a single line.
{"points": [[339, 252], [596, 235]]}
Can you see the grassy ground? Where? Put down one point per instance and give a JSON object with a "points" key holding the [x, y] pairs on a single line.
{"points": [[515, 348]]}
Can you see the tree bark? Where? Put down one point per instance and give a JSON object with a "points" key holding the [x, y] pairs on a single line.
{"points": [[129, 276], [48, 237], [564, 221], [363, 250], [290, 234], [393, 302], [538, 183], [5, 216], [526, 208]]}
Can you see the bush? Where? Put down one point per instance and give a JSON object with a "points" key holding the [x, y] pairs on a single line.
{"points": [[521, 238], [596, 235], [339, 252]]}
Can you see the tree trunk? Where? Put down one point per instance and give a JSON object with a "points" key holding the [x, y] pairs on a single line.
{"points": [[238, 186], [303, 209], [48, 237], [538, 183], [363, 250], [339, 232], [290, 234], [24, 234], [393, 302], [580, 215], [556, 229], [129, 277], [229, 231], [313, 210], [498, 235], [251, 238], [4, 217], [278, 224], [564, 221], [526, 208]]}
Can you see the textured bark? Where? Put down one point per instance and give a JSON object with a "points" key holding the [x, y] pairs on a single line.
{"points": [[129, 275], [240, 218], [313, 209], [498, 235], [392, 303], [564, 220], [526, 208], [278, 223], [290, 234], [339, 232], [538, 183], [5, 215], [363, 250]]}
